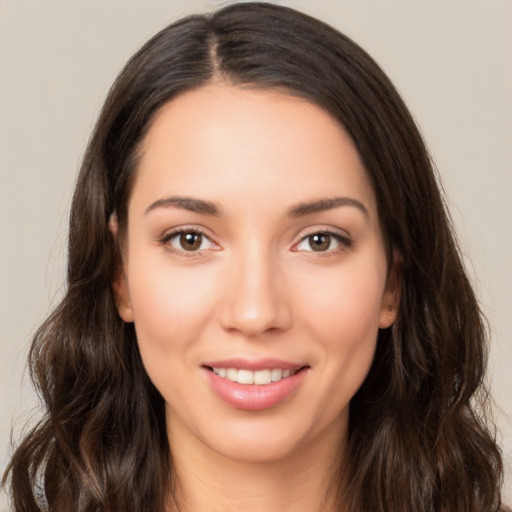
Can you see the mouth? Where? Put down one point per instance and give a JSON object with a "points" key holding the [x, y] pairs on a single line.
{"points": [[254, 386]]}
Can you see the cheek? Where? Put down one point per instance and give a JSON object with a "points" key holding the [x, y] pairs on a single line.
{"points": [[349, 329], [170, 308], [344, 303], [169, 304], [342, 313]]}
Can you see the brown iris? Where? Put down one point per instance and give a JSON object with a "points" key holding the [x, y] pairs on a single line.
{"points": [[191, 241], [319, 241]]}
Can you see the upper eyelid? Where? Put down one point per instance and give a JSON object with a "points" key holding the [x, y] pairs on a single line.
{"points": [[169, 233], [305, 233]]}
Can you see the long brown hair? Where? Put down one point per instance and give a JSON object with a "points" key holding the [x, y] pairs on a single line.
{"points": [[419, 439]]}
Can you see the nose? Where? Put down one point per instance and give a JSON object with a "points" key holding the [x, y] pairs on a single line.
{"points": [[255, 300]]}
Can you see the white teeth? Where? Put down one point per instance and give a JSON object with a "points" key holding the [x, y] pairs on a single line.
{"points": [[277, 374], [262, 377], [245, 377], [259, 377]]}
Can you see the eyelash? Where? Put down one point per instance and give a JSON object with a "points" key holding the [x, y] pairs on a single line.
{"points": [[166, 239], [344, 241]]}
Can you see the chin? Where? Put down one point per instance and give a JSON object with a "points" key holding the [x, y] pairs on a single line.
{"points": [[271, 437], [258, 449]]}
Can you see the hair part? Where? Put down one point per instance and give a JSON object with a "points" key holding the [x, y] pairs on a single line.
{"points": [[418, 439]]}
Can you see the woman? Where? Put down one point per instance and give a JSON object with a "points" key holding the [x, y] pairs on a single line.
{"points": [[266, 308]]}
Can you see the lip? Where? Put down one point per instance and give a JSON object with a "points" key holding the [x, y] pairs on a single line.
{"points": [[254, 397]]}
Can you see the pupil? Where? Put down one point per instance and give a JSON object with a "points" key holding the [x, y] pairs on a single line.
{"points": [[190, 241], [320, 242]]}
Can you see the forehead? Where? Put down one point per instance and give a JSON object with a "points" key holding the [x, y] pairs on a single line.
{"points": [[221, 142]]}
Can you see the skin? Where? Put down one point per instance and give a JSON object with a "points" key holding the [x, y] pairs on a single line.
{"points": [[255, 289]]}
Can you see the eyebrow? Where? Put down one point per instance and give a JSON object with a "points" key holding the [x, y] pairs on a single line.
{"points": [[186, 203], [322, 205], [300, 210]]}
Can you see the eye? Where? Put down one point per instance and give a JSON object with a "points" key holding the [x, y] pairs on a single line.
{"points": [[322, 242], [187, 241]]}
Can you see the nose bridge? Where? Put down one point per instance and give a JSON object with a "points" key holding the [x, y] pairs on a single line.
{"points": [[254, 301]]}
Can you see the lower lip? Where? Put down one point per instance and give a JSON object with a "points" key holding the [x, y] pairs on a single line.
{"points": [[253, 397]]}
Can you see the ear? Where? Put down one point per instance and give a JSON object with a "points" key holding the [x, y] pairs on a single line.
{"points": [[120, 282], [391, 298]]}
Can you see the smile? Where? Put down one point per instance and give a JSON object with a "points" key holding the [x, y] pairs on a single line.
{"points": [[258, 377], [254, 385]]}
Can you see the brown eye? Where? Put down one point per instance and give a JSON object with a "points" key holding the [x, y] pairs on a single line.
{"points": [[190, 241], [184, 241], [324, 242], [319, 242]]}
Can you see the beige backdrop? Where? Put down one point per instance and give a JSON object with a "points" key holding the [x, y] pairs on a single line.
{"points": [[452, 61]]}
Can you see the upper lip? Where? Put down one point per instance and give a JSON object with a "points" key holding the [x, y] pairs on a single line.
{"points": [[254, 365]]}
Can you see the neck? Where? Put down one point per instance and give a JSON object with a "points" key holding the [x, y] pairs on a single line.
{"points": [[304, 480]]}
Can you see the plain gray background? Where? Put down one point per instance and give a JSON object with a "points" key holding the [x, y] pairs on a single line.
{"points": [[450, 59]]}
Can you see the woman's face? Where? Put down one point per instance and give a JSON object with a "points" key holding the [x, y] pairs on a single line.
{"points": [[255, 271]]}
